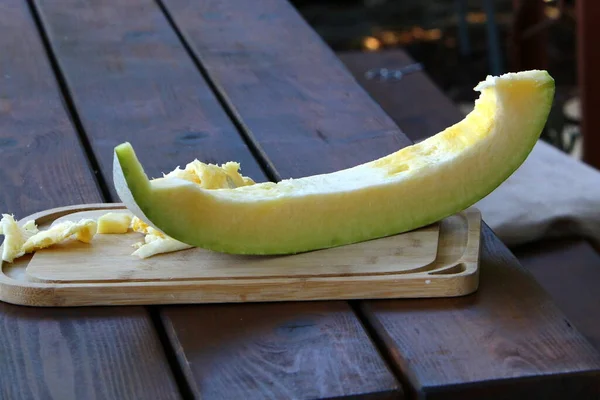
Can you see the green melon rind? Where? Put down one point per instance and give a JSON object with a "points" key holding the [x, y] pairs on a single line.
{"points": [[438, 197]]}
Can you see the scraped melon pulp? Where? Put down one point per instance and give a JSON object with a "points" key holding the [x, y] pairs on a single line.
{"points": [[405, 190]]}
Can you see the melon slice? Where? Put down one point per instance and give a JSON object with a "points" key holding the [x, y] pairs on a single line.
{"points": [[410, 188]]}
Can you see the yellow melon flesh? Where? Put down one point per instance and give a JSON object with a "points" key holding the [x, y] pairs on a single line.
{"points": [[405, 190], [113, 222]]}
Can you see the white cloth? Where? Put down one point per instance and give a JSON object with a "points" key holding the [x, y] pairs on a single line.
{"points": [[550, 195]]}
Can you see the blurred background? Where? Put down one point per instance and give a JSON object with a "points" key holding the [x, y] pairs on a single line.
{"points": [[459, 42]]}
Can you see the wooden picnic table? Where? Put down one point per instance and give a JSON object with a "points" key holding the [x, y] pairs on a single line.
{"points": [[247, 81]]}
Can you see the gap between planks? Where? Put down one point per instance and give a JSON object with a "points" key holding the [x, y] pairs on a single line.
{"points": [[68, 102], [180, 371], [177, 368], [253, 144], [273, 175]]}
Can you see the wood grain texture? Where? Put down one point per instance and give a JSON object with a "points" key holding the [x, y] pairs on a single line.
{"points": [[504, 341], [132, 80], [59, 353], [109, 257], [295, 98], [137, 83], [104, 272], [38, 145], [277, 352], [81, 353], [508, 338], [414, 103], [569, 269]]}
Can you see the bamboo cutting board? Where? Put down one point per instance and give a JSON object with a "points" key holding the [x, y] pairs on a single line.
{"points": [[440, 260]]}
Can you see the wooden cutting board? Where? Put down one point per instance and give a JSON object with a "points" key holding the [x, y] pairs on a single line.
{"points": [[440, 260]]}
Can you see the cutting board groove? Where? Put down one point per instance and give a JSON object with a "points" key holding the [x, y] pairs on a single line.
{"points": [[439, 260]]}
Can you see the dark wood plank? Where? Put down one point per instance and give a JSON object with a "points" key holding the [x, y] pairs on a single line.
{"points": [[506, 341], [155, 98], [39, 147], [418, 118], [82, 353], [588, 62], [569, 269], [131, 79], [276, 351], [516, 336], [47, 353], [292, 115]]}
